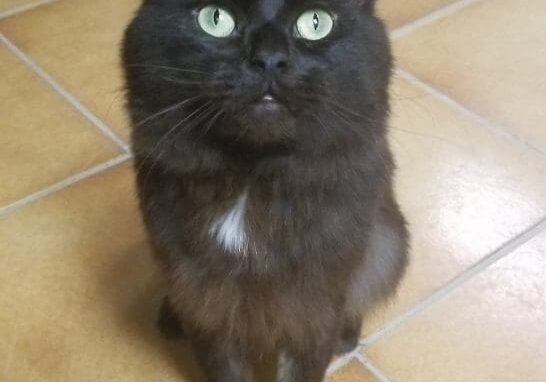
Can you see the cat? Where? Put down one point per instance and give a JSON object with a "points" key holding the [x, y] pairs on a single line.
{"points": [[259, 130]]}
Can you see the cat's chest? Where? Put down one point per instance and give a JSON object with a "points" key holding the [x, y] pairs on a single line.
{"points": [[252, 220], [229, 229], [263, 221], [248, 218]]}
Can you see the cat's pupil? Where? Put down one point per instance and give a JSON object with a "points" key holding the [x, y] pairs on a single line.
{"points": [[316, 21], [216, 17]]}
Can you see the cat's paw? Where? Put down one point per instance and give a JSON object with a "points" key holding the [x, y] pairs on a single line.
{"points": [[168, 323], [348, 341], [345, 346]]}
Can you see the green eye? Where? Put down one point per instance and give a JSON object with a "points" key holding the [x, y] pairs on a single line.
{"points": [[314, 24], [216, 21]]}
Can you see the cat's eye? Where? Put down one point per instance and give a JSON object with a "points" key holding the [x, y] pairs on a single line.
{"points": [[216, 21], [315, 24]]}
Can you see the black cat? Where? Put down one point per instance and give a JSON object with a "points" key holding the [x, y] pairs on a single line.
{"points": [[264, 175]]}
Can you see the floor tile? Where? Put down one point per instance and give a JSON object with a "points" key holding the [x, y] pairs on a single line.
{"points": [[77, 42], [353, 372], [44, 139], [7, 5], [491, 329], [397, 13], [464, 190], [80, 290], [491, 57]]}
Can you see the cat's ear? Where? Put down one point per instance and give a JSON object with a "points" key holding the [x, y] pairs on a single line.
{"points": [[368, 5]]}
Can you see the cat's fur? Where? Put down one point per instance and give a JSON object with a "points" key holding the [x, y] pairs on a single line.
{"points": [[277, 227]]}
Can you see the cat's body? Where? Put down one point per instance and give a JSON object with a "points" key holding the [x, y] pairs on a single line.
{"points": [[275, 222]]}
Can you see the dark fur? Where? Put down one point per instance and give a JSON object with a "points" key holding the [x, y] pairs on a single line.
{"points": [[326, 238]]}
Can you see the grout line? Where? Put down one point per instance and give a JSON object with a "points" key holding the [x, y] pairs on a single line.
{"points": [[23, 8], [377, 372], [10, 208], [64, 93], [430, 18], [342, 361], [457, 281], [497, 129]]}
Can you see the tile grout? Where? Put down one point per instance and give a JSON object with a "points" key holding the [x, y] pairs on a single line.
{"points": [[408, 28], [342, 361], [459, 107], [376, 371], [64, 93], [397, 33], [23, 8], [505, 249], [65, 183], [430, 18]]}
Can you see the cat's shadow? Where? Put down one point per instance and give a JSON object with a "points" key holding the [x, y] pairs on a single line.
{"points": [[132, 291]]}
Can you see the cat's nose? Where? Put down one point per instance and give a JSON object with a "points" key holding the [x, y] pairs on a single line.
{"points": [[270, 61]]}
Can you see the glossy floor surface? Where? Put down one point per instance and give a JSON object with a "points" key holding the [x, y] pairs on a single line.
{"points": [[79, 291]]}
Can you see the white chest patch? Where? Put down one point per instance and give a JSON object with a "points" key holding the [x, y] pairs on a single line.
{"points": [[229, 229]]}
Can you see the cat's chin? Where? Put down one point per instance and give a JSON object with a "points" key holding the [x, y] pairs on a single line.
{"points": [[269, 124], [261, 123]]}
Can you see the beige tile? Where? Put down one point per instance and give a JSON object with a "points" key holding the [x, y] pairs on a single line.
{"points": [[491, 57], [44, 139], [8, 5], [465, 191], [353, 372], [80, 291], [491, 329], [77, 42], [397, 13]]}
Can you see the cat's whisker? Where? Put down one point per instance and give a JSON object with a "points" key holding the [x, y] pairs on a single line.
{"points": [[325, 96], [241, 134], [204, 109], [167, 110], [166, 67], [344, 108], [200, 118], [211, 122], [322, 125], [172, 130], [200, 113], [339, 116], [427, 136], [181, 81]]}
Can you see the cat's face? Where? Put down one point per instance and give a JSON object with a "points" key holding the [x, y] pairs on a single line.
{"points": [[258, 70]]}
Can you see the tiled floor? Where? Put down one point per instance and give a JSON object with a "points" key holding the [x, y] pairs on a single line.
{"points": [[78, 288]]}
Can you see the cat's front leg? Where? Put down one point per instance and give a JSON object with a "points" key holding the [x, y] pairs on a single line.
{"points": [[168, 322], [221, 361], [306, 365], [350, 334]]}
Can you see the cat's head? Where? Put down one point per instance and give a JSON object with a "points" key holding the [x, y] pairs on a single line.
{"points": [[258, 71]]}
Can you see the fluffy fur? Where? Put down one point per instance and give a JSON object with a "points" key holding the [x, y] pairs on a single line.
{"points": [[275, 222]]}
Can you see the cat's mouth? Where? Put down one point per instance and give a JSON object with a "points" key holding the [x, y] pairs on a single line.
{"points": [[268, 102], [265, 118]]}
